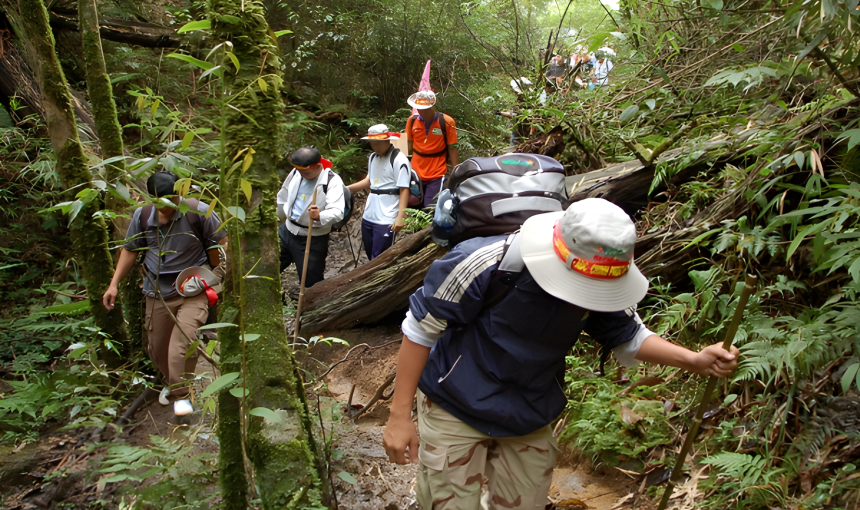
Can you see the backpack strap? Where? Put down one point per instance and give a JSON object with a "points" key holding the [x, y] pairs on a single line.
{"points": [[505, 276], [194, 219], [393, 155], [441, 117]]}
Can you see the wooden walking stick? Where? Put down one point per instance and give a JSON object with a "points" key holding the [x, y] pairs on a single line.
{"points": [[304, 273], [749, 286]]}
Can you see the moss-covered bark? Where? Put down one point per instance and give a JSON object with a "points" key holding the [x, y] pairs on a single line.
{"points": [[89, 235], [110, 139], [288, 467], [231, 462]]}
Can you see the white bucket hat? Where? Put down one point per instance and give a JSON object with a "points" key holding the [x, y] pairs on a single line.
{"points": [[196, 279], [380, 132], [585, 255], [519, 85], [422, 100]]}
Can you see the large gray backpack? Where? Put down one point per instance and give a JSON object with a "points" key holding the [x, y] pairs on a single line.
{"points": [[495, 195]]}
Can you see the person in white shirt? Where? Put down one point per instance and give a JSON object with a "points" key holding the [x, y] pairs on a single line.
{"points": [[602, 68], [296, 211], [388, 181]]}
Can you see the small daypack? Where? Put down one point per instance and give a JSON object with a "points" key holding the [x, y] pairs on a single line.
{"points": [[196, 221], [495, 195], [347, 197], [416, 187], [443, 152]]}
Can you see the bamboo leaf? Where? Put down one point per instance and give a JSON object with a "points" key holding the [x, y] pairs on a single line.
{"points": [[239, 392], [279, 33], [202, 64], [246, 188], [265, 412], [235, 60], [853, 137], [154, 108], [218, 325], [211, 208], [237, 212], [812, 45], [628, 113], [219, 383], [250, 337], [233, 20], [262, 83], [187, 139], [848, 377], [246, 162], [68, 307], [347, 477], [195, 25]]}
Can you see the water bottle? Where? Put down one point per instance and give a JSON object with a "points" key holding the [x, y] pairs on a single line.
{"points": [[444, 218]]}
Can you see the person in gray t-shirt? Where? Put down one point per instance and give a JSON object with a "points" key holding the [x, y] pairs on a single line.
{"points": [[171, 241]]}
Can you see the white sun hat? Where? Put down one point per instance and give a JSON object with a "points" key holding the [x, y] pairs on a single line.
{"points": [[422, 100], [519, 85], [380, 132], [196, 279], [585, 255]]}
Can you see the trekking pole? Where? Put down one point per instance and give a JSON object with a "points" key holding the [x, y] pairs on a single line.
{"points": [[749, 286], [304, 273]]}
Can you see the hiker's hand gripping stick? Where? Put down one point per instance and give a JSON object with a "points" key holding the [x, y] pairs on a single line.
{"points": [[749, 286]]}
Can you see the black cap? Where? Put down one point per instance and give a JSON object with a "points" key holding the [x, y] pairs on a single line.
{"points": [[160, 184], [305, 157]]}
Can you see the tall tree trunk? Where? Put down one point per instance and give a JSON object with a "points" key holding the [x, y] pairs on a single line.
{"points": [[89, 235], [288, 466], [110, 140]]}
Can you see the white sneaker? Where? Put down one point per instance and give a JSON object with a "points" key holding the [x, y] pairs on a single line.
{"points": [[162, 397], [182, 407]]}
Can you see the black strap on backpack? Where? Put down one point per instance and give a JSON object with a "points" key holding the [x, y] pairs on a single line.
{"points": [[386, 191], [441, 117], [195, 220], [329, 175]]}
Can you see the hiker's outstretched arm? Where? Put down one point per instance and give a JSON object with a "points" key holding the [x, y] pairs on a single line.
{"points": [[400, 437], [453, 155], [712, 360], [362, 184]]}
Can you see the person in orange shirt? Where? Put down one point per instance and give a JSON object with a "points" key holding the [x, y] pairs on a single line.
{"points": [[432, 141]]}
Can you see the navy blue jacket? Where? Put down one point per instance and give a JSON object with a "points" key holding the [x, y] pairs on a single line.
{"points": [[501, 369]]}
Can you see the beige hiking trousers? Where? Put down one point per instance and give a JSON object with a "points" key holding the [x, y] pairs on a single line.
{"points": [[456, 461], [166, 344]]}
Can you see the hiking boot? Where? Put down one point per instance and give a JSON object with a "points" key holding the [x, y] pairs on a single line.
{"points": [[183, 407]]}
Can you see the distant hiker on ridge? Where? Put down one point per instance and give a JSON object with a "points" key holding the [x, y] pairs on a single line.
{"points": [[432, 140]]}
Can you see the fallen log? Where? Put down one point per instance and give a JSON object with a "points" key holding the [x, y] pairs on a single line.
{"points": [[382, 286], [374, 290], [135, 33]]}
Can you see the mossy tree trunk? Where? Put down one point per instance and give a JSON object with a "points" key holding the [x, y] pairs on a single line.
{"points": [[89, 235], [110, 139], [288, 468]]}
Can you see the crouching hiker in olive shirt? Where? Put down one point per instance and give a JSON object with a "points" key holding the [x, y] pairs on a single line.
{"points": [[488, 365], [171, 243]]}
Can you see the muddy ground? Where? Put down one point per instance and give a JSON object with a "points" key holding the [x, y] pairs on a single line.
{"points": [[61, 469]]}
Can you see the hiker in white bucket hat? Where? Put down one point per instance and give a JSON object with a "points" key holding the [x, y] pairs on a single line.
{"points": [[484, 347]]}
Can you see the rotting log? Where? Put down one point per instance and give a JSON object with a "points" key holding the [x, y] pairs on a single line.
{"points": [[17, 79], [374, 290], [382, 286], [88, 234], [134, 33], [288, 463]]}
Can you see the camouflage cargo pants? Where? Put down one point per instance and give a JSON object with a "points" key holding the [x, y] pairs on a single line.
{"points": [[457, 460]]}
